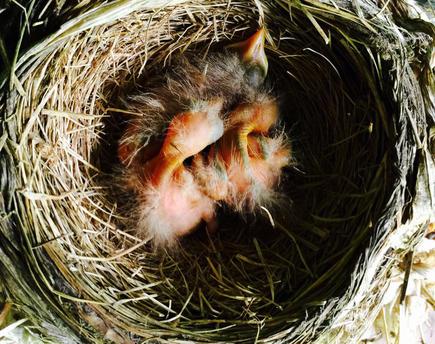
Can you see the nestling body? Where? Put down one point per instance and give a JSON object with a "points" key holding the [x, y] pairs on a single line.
{"points": [[216, 149]]}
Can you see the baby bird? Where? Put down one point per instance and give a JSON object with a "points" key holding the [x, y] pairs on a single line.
{"points": [[233, 77], [218, 104], [171, 203], [244, 166], [253, 160]]}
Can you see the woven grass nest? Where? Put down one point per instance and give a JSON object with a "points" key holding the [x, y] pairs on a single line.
{"points": [[357, 95]]}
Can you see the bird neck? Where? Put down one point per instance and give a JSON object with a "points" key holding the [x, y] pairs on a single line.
{"points": [[163, 167]]}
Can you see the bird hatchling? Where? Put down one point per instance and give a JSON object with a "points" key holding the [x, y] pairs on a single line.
{"points": [[201, 137]]}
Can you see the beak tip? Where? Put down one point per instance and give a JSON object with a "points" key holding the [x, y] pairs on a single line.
{"points": [[252, 50]]}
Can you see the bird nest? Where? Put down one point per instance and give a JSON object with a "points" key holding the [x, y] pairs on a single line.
{"points": [[354, 112]]}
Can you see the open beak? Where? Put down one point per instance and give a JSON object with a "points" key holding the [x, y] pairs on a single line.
{"points": [[252, 51]]}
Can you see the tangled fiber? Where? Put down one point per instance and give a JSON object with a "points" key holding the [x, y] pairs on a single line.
{"points": [[356, 87]]}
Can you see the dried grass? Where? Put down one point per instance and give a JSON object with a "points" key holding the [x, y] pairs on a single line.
{"points": [[357, 117]]}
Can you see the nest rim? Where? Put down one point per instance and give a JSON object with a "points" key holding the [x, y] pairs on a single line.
{"points": [[41, 238]]}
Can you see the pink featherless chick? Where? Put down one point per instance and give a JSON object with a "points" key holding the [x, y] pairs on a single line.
{"points": [[244, 166], [172, 195], [171, 203], [210, 170], [252, 159]]}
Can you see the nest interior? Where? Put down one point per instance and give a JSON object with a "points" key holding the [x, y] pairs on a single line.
{"points": [[258, 278]]}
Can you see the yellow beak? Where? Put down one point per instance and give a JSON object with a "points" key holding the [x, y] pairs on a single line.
{"points": [[252, 51]]}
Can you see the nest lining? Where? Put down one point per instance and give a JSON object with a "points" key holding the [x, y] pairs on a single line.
{"points": [[240, 284]]}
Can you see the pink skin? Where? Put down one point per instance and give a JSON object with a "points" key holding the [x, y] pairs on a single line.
{"points": [[261, 168], [239, 161], [267, 157], [182, 205], [176, 199], [211, 174], [245, 149], [244, 160]]}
